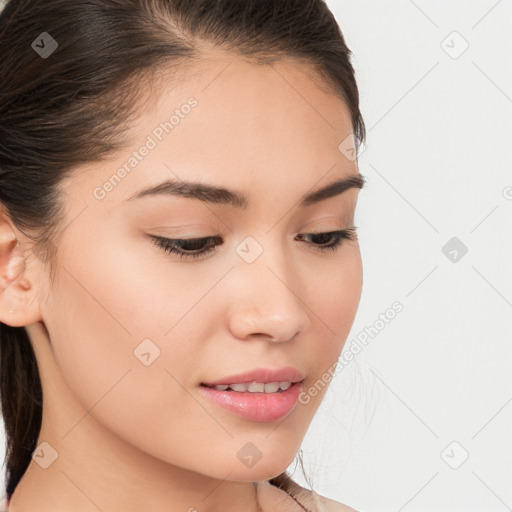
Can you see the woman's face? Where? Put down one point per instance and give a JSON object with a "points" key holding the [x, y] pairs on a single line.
{"points": [[135, 329]]}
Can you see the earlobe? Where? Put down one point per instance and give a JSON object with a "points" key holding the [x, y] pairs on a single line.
{"points": [[18, 304]]}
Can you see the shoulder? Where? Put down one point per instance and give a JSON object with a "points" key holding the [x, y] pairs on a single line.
{"points": [[329, 505], [316, 502]]}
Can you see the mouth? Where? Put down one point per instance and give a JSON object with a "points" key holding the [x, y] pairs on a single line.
{"points": [[254, 387], [255, 401]]}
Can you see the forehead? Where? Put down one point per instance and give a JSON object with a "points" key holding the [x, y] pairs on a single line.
{"points": [[285, 100], [250, 124]]}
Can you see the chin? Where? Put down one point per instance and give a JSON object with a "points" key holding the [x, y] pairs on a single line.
{"points": [[256, 474], [254, 466]]}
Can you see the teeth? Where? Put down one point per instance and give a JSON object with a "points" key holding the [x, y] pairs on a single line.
{"points": [[255, 387], [238, 387], [271, 387]]}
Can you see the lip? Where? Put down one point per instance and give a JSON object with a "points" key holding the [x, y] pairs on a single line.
{"points": [[265, 375], [261, 407]]}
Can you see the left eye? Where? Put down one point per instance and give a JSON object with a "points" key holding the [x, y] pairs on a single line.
{"points": [[195, 247]]}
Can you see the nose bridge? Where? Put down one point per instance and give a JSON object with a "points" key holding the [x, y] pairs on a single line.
{"points": [[266, 300]]}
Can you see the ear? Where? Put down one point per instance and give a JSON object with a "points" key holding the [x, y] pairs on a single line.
{"points": [[19, 303]]}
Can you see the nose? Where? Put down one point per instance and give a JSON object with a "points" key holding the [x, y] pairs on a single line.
{"points": [[266, 299]]}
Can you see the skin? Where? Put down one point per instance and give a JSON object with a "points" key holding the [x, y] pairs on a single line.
{"points": [[130, 436]]}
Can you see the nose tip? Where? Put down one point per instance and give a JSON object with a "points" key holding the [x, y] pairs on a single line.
{"points": [[256, 325], [271, 310]]}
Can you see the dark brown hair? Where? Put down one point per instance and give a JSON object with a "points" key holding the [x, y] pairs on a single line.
{"points": [[74, 106]]}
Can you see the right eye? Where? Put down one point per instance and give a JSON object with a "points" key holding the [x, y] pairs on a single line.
{"points": [[187, 248]]}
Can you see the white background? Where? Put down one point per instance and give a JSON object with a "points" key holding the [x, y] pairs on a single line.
{"points": [[438, 163], [438, 159]]}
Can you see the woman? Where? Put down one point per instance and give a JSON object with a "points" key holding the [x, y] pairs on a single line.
{"points": [[179, 264]]}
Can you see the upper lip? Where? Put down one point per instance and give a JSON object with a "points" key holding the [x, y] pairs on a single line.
{"points": [[265, 375]]}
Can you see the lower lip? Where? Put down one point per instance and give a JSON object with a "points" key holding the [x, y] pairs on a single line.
{"points": [[256, 406]]}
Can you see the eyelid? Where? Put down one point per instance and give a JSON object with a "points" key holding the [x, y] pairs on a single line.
{"points": [[192, 230], [166, 244], [337, 220]]}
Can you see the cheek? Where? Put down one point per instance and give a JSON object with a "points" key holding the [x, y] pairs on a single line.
{"points": [[347, 292], [104, 305], [334, 299], [96, 322], [337, 291]]}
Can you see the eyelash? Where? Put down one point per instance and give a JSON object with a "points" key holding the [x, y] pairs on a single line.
{"points": [[168, 244]]}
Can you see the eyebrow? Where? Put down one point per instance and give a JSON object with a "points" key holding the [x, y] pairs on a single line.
{"points": [[219, 195]]}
